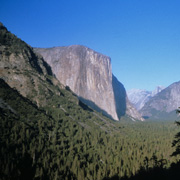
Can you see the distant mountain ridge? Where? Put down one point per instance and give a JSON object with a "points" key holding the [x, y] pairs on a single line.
{"points": [[89, 75], [163, 105], [139, 97]]}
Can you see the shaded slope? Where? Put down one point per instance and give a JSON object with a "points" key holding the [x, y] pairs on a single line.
{"points": [[120, 97], [22, 69], [123, 106]]}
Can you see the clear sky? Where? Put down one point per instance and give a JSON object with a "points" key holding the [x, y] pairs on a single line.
{"points": [[142, 37]]}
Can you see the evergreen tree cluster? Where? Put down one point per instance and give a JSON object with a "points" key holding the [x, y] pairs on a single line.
{"points": [[68, 140]]}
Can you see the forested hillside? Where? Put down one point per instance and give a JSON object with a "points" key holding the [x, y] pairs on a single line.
{"points": [[77, 143]]}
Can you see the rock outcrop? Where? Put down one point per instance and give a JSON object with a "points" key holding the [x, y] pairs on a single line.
{"points": [[89, 75], [21, 68]]}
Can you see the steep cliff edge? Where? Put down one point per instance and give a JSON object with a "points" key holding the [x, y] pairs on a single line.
{"points": [[89, 75], [123, 105], [86, 72]]}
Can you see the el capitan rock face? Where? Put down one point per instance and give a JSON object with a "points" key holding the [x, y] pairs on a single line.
{"points": [[89, 75], [86, 72]]}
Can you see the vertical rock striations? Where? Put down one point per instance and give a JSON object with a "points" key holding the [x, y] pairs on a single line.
{"points": [[86, 72]]}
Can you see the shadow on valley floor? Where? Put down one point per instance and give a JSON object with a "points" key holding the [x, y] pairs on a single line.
{"points": [[89, 105], [119, 96], [93, 106], [155, 173]]}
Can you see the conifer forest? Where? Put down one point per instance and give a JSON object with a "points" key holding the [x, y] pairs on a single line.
{"points": [[67, 140]]}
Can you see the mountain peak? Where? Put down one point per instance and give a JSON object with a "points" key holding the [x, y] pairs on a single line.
{"points": [[163, 104], [138, 97]]}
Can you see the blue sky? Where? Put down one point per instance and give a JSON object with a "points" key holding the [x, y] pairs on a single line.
{"points": [[142, 37]]}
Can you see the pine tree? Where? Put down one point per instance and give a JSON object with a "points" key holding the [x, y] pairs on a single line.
{"points": [[176, 142]]}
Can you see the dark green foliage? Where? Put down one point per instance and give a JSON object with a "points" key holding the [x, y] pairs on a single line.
{"points": [[10, 41], [153, 173], [176, 142], [178, 111], [64, 141]]}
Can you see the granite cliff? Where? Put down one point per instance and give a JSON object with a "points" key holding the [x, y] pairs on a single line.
{"points": [[89, 75], [86, 72]]}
